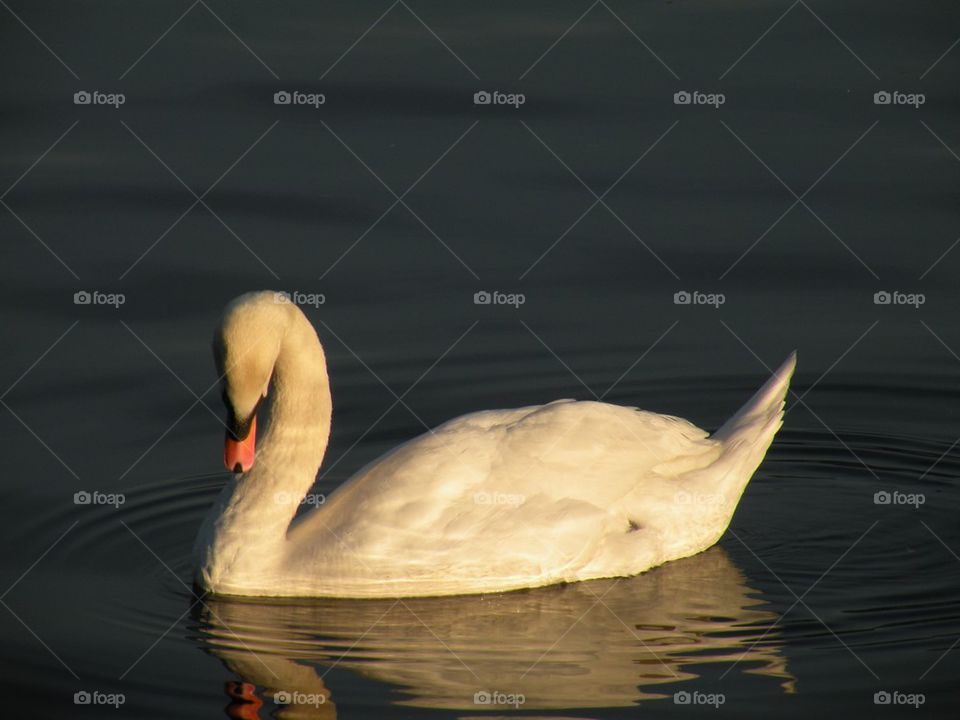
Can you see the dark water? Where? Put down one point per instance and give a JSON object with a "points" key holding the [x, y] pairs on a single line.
{"points": [[817, 598]]}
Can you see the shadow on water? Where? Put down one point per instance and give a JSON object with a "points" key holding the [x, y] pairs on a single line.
{"points": [[606, 643]]}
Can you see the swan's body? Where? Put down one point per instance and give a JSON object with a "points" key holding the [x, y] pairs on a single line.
{"points": [[490, 501]]}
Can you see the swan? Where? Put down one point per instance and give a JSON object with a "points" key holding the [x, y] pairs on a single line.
{"points": [[490, 501]]}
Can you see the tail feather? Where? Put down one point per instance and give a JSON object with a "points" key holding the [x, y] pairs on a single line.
{"points": [[762, 412], [743, 441], [747, 435]]}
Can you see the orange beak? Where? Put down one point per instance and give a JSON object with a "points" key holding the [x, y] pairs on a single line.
{"points": [[238, 455]]}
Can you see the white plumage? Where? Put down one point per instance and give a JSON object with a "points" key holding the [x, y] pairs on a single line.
{"points": [[490, 501]]}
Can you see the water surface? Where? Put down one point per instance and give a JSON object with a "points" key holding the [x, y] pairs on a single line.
{"points": [[816, 599]]}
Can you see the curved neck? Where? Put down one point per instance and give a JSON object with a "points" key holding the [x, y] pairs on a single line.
{"points": [[298, 423], [253, 513]]}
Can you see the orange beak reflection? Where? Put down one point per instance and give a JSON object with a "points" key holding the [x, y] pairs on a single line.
{"points": [[238, 455]]}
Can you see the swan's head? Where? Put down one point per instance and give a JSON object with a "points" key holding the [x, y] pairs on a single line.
{"points": [[245, 349]]}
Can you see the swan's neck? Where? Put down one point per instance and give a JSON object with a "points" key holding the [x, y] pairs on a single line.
{"points": [[248, 524]]}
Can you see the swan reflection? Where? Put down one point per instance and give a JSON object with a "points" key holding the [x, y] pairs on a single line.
{"points": [[603, 643]]}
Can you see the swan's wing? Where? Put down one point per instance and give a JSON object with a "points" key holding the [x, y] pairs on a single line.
{"points": [[506, 493], [587, 451]]}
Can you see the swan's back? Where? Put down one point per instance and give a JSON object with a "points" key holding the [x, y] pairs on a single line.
{"points": [[516, 497]]}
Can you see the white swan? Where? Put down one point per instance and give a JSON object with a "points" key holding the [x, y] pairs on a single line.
{"points": [[491, 501]]}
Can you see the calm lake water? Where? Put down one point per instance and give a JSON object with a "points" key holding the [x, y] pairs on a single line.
{"points": [[792, 206]]}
